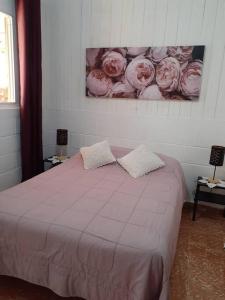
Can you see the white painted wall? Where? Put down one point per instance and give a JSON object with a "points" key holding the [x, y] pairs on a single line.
{"points": [[10, 165], [10, 170], [182, 130]]}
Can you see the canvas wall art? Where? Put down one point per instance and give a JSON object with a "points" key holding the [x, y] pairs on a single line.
{"points": [[148, 73]]}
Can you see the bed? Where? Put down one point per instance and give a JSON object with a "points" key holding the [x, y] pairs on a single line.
{"points": [[97, 234]]}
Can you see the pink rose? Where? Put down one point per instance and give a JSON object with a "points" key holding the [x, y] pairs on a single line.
{"points": [[122, 90], [98, 83], [113, 63], [122, 51], [140, 72], [93, 56], [190, 80], [151, 92], [134, 51], [167, 74], [156, 54], [182, 54]]}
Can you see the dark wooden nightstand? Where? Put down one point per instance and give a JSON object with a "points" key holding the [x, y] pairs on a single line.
{"points": [[206, 194]]}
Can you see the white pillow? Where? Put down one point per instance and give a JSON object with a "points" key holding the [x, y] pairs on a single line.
{"points": [[140, 161], [97, 155]]}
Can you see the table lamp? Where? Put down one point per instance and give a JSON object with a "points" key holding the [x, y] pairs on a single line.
{"points": [[62, 140], [216, 160]]}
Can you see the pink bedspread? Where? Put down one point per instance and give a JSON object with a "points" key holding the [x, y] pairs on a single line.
{"points": [[98, 234]]}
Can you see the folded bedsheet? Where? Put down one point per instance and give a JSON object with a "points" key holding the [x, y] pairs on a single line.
{"points": [[97, 234]]}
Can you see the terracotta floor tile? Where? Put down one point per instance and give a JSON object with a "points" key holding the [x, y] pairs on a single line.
{"points": [[199, 267]]}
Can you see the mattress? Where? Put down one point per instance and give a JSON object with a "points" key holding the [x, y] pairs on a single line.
{"points": [[97, 234]]}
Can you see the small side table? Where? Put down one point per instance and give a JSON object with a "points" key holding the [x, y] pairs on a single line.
{"points": [[204, 193], [53, 161]]}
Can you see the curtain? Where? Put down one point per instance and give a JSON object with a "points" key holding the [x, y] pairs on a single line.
{"points": [[30, 73]]}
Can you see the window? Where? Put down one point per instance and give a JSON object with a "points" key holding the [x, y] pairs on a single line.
{"points": [[7, 74]]}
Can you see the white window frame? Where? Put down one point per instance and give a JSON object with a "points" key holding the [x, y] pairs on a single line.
{"points": [[8, 7]]}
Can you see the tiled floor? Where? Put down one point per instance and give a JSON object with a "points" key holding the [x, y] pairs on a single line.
{"points": [[199, 269]]}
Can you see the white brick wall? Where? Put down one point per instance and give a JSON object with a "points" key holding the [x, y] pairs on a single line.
{"points": [[10, 167]]}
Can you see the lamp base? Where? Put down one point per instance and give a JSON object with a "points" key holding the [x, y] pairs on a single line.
{"points": [[61, 151], [215, 180], [62, 157]]}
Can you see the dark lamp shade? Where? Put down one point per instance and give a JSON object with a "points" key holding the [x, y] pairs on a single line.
{"points": [[217, 155], [62, 137]]}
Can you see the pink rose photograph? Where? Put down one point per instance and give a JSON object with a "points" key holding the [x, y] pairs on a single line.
{"points": [[145, 73]]}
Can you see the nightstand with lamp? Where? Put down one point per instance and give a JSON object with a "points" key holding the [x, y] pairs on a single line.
{"points": [[61, 149], [211, 189]]}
